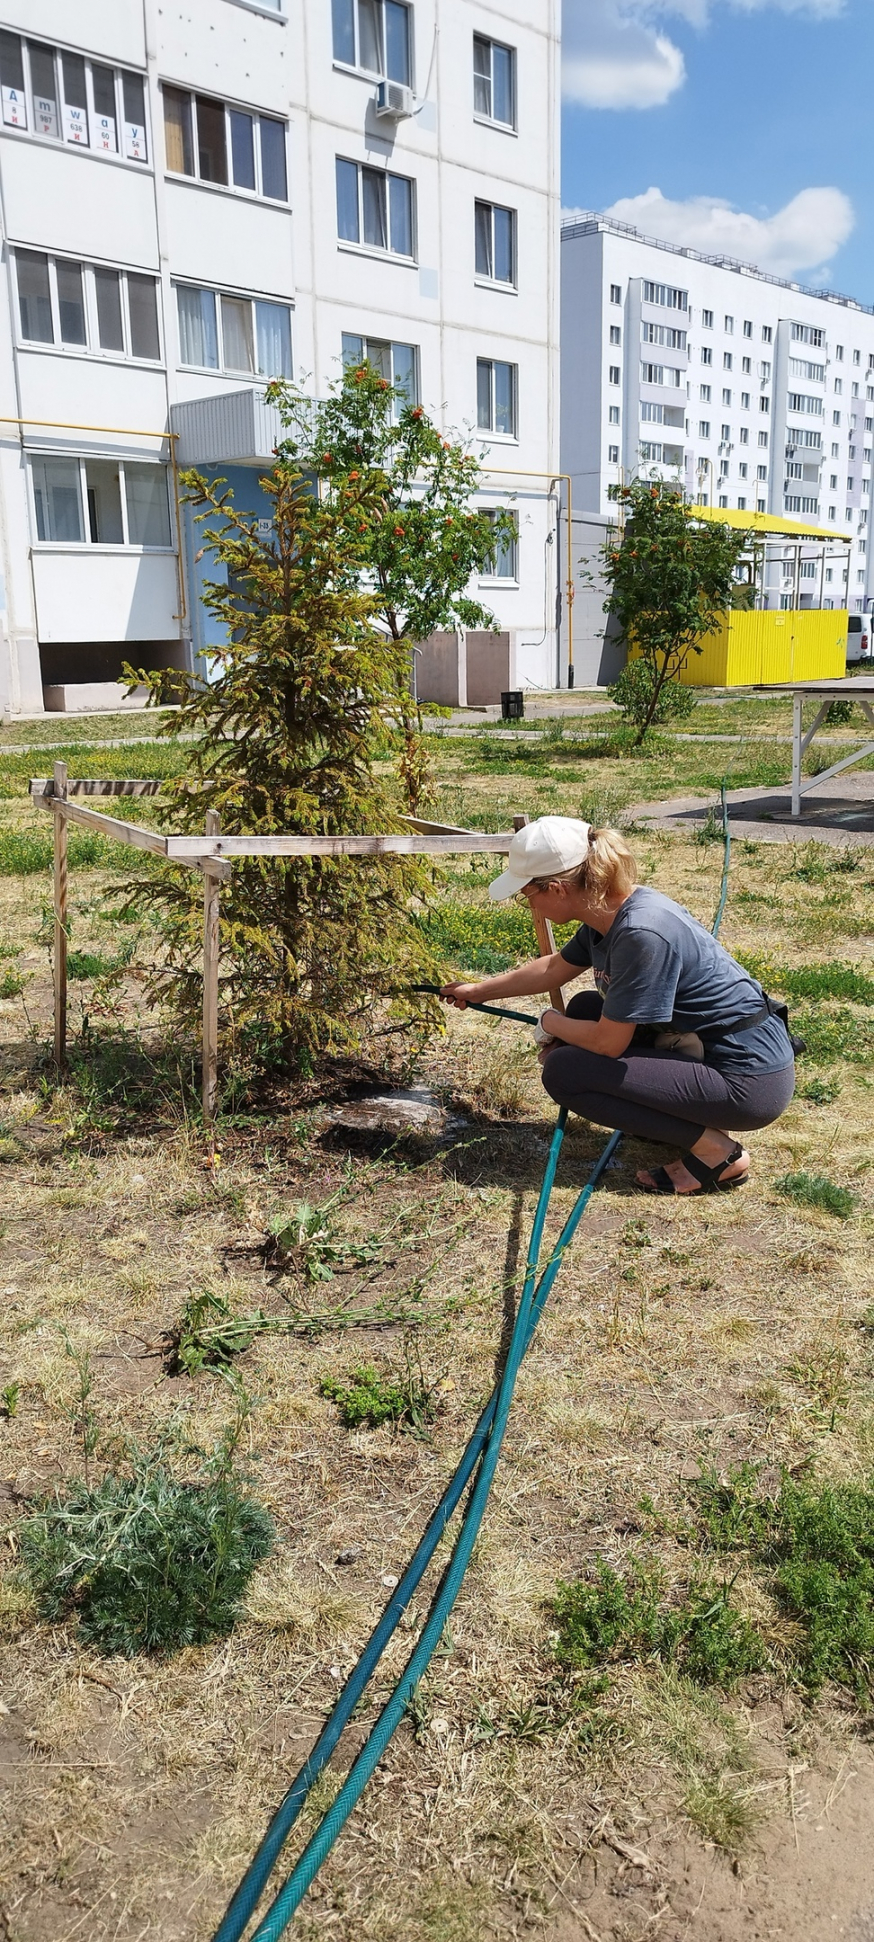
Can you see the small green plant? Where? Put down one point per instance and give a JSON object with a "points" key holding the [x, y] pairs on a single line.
{"points": [[12, 984], [814, 1190], [27, 853], [721, 1810], [9, 1399], [730, 1511], [838, 712], [369, 1398], [820, 1092]]}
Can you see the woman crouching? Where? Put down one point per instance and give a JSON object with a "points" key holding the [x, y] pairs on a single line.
{"points": [[677, 1043]]}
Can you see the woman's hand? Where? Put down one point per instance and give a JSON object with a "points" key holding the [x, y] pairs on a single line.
{"points": [[459, 994]]}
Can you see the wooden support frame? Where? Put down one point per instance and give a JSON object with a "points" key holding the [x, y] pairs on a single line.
{"points": [[211, 893], [212, 854], [59, 959]]}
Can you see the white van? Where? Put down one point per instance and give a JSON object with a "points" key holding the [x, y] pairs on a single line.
{"points": [[858, 636]]}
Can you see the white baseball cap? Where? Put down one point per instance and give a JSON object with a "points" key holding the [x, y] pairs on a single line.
{"points": [[545, 848]]}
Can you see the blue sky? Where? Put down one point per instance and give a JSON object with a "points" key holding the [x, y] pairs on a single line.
{"points": [[748, 118]]}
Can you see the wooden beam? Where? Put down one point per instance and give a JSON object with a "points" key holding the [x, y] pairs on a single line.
{"points": [[543, 932], [60, 909], [90, 785], [211, 890], [187, 849], [132, 833]]}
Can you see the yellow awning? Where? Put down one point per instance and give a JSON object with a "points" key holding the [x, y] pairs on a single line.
{"points": [[766, 522]]}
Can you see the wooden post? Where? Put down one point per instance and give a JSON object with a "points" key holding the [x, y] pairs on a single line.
{"points": [[211, 889], [545, 939], [60, 904]]}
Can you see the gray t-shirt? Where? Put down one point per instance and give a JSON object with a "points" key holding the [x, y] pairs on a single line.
{"points": [[658, 966]]}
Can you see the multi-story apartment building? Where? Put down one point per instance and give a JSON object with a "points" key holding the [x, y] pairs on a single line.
{"points": [[194, 199], [758, 395]]}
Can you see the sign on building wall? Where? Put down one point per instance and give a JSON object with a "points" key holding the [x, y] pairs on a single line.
{"points": [[45, 115], [104, 133], [134, 142], [76, 125], [14, 108]]}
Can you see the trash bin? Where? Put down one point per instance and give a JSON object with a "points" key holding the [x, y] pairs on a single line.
{"points": [[513, 705]]}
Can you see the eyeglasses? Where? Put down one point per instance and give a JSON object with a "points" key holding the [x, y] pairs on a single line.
{"points": [[537, 883]]}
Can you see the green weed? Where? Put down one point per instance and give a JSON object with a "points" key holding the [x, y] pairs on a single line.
{"points": [[722, 1811], [817, 863], [368, 1399], [12, 984], [208, 1335], [820, 1092], [9, 1398], [623, 1619], [814, 1190], [834, 1035], [821, 981]]}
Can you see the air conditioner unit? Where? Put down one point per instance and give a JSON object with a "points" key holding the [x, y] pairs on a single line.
{"points": [[394, 102]]}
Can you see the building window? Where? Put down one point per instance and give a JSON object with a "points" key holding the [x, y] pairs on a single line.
{"points": [[839, 385], [613, 415], [495, 231], [496, 400], [744, 401], [833, 512], [855, 390], [839, 353], [744, 435], [667, 334], [748, 328], [760, 505], [63, 97], [761, 473], [704, 428], [230, 147], [504, 562], [613, 455], [833, 482], [83, 307], [494, 81], [373, 35], [723, 501], [221, 332], [726, 397], [100, 502], [726, 360], [375, 209], [741, 505], [704, 393], [724, 434], [768, 334], [743, 471], [806, 404], [729, 326], [397, 363], [836, 417], [616, 374], [763, 438], [706, 354], [707, 320], [764, 404], [746, 366], [615, 293], [666, 295], [615, 334]]}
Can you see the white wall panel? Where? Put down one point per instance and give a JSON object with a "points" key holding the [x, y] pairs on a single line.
{"points": [[86, 595]]}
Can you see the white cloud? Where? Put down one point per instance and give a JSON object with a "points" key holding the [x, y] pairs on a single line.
{"points": [[802, 235], [618, 54], [614, 57]]}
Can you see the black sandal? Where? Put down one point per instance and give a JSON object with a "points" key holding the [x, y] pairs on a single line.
{"points": [[708, 1176]]}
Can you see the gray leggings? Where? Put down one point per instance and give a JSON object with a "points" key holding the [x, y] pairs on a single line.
{"points": [[657, 1096]]}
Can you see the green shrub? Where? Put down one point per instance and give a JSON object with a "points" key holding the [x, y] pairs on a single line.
{"points": [[820, 1092], [814, 1190], [12, 984], [147, 1563], [632, 691]]}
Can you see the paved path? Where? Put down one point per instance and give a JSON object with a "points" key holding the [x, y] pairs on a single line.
{"points": [[840, 812]]}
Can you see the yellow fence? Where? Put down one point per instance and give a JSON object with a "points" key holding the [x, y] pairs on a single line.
{"points": [[759, 646]]}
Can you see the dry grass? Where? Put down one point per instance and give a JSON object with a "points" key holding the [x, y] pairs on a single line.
{"points": [[679, 1334]]}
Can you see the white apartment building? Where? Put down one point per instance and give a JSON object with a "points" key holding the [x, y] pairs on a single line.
{"points": [[757, 394], [196, 198]]}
